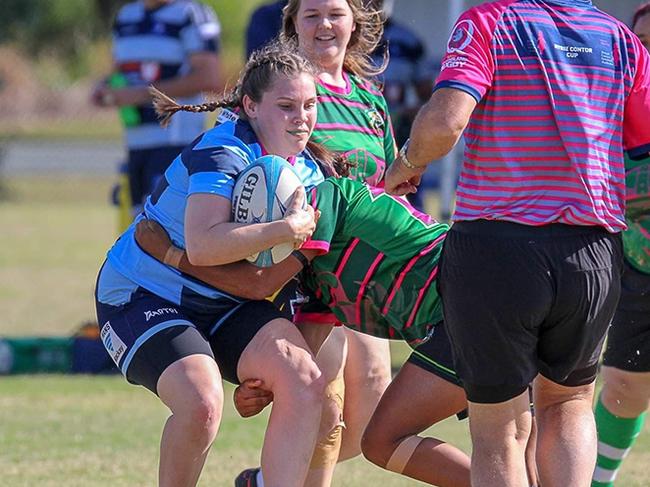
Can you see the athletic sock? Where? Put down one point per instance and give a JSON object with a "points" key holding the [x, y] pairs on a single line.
{"points": [[615, 439]]}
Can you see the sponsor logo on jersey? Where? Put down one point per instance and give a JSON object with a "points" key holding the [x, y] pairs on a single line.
{"points": [[112, 342], [375, 119], [227, 116], [454, 62], [461, 37], [159, 312], [572, 51]]}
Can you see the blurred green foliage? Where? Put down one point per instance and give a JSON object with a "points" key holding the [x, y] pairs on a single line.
{"points": [[66, 30], [52, 28]]}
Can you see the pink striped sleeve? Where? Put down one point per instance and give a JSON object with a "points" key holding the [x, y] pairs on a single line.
{"points": [[469, 62], [636, 129]]}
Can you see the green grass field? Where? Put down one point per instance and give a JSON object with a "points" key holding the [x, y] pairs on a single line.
{"points": [[99, 431]]}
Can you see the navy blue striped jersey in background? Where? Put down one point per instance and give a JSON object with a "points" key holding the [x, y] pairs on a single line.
{"points": [[154, 45]]}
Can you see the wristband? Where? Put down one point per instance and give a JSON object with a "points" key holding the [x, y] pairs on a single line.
{"points": [[173, 256], [404, 159], [301, 257]]}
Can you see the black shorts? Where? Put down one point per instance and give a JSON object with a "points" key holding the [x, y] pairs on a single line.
{"points": [[236, 332], [435, 357], [628, 339], [145, 167], [147, 334], [521, 300]]}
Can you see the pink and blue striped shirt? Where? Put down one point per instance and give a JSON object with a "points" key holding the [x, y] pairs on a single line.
{"points": [[562, 89]]}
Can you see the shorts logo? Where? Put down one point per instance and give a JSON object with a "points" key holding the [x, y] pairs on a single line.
{"points": [[159, 312], [112, 342], [461, 37]]}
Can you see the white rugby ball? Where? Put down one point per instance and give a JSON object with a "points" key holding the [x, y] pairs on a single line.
{"points": [[261, 194]]}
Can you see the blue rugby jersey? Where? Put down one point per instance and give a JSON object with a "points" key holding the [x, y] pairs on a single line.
{"points": [[153, 45], [209, 165]]}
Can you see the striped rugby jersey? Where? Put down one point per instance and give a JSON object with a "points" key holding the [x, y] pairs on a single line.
{"points": [[209, 165], [562, 88], [355, 121], [379, 261], [636, 239], [153, 45]]}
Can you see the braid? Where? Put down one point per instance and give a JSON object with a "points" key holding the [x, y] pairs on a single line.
{"points": [[255, 79], [166, 106]]}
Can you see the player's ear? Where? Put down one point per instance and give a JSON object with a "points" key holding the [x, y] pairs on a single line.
{"points": [[250, 107]]}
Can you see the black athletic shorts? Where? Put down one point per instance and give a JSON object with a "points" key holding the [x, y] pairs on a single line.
{"points": [[435, 357], [235, 333], [147, 334], [628, 339], [521, 300]]}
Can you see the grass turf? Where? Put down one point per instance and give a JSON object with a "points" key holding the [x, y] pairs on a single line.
{"points": [[99, 431]]}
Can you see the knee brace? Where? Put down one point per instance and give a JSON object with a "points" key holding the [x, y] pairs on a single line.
{"points": [[403, 453], [326, 452]]}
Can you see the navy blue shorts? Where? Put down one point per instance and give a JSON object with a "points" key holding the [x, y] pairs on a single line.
{"points": [[145, 167], [147, 334]]}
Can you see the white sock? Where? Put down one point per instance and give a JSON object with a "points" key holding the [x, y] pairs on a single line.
{"points": [[259, 479]]}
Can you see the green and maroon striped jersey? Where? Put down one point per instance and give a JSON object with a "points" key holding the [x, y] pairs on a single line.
{"points": [[354, 121], [379, 262], [636, 239]]}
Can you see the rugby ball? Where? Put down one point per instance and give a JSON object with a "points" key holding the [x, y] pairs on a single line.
{"points": [[261, 194]]}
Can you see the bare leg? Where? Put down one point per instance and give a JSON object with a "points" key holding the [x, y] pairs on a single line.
{"points": [[191, 389], [625, 394], [499, 436], [566, 445], [331, 360], [367, 375], [415, 400], [531, 453], [279, 356]]}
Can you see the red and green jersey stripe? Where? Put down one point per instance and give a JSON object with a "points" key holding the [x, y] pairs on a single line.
{"points": [[354, 121], [379, 262]]}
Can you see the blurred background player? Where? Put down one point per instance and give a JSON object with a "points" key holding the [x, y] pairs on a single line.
{"points": [[401, 82], [264, 25], [172, 44], [625, 396]]}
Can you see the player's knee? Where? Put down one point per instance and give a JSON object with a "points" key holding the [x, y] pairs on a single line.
{"points": [[376, 446], [305, 384], [628, 397], [393, 454], [202, 413]]}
